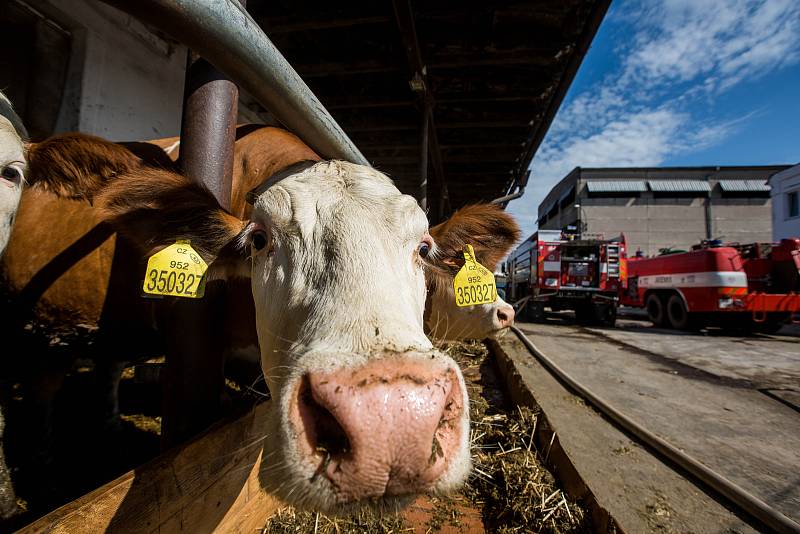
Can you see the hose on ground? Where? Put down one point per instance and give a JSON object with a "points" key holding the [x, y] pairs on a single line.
{"points": [[740, 498]]}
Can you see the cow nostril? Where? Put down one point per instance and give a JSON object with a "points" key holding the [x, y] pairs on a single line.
{"points": [[326, 435]]}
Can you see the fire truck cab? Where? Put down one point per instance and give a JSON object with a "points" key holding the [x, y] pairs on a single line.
{"points": [[563, 272]]}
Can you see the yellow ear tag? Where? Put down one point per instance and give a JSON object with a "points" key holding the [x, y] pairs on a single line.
{"points": [[474, 283], [176, 271]]}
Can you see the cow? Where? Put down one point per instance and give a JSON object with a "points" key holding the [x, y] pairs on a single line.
{"points": [[73, 169], [12, 178], [490, 230]]}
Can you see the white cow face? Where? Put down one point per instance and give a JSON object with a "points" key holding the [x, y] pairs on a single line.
{"points": [[12, 176], [368, 410]]}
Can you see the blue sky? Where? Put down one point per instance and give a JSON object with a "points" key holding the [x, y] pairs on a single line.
{"points": [[678, 82]]}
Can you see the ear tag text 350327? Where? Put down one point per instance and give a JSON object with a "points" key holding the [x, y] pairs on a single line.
{"points": [[474, 283], [176, 271]]}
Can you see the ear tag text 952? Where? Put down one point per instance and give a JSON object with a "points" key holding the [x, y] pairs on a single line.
{"points": [[176, 271], [474, 283]]}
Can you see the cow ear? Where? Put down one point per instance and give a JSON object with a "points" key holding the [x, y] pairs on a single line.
{"points": [[77, 165], [155, 208], [487, 227]]}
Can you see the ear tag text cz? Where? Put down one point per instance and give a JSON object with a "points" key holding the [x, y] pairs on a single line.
{"points": [[176, 271], [474, 283]]}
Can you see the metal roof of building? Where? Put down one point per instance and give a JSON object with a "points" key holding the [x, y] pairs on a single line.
{"points": [[744, 185], [493, 72], [679, 186], [616, 186], [566, 194]]}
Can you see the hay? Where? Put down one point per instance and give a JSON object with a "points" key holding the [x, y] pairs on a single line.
{"points": [[289, 521], [510, 486], [509, 483]]}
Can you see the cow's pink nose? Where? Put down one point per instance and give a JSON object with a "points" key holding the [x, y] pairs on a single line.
{"points": [[505, 315], [387, 428]]}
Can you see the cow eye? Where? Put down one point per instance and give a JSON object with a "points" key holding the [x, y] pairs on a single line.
{"points": [[11, 174], [425, 247], [259, 239]]}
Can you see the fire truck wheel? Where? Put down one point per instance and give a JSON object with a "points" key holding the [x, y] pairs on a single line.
{"points": [[677, 313], [770, 326], [655, 310], [535, 312], [606, 314]]}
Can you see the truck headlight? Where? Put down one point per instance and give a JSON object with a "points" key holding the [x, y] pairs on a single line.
{"points": [[551, 282]]}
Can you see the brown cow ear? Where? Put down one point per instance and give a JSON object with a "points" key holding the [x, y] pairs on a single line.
{"points": [[487, 227], [77, 165], [155, 208]]}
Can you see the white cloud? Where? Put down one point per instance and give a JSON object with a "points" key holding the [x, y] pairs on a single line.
{"points": [[680, 52]]}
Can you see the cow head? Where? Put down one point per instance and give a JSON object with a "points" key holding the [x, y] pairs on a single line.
{"points": [[492, 233], [367, 410], [12, 167]]}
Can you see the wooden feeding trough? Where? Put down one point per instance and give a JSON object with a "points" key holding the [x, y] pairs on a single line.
{"points": [[208, 484]]}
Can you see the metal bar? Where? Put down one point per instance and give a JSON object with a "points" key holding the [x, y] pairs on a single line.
{"points": [[208, 128], [423, 164], [224, 33], [194, 370]]}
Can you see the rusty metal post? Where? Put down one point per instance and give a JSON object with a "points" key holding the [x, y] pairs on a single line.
{"points": [[194, 372]]}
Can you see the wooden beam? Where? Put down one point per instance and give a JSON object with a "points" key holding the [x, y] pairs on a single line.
{"points": [[405, 22], [210, 484]]}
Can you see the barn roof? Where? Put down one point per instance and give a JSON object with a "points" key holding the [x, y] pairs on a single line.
{"points": [[492, 72]]}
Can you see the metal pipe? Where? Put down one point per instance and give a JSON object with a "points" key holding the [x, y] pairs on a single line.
{"points": [[509, 198], [520, 190], [226, 35], [208, 128], [423, 164], [752, 505]]}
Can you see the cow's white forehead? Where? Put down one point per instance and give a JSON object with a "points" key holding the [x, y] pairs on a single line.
{"points": [[327, 191], [11, 147]]}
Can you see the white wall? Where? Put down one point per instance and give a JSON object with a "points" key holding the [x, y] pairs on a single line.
{"points": [[782, 183], [124, 82]]}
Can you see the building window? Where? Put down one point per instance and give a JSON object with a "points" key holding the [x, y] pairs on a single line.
{"points": [[793, 204]]}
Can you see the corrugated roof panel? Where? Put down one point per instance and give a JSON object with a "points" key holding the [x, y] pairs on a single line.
{"points": [[744, 185], [680, 186], [616, 186]]}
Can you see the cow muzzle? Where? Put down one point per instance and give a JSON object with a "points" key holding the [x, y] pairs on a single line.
{"points": [[387, 428]]}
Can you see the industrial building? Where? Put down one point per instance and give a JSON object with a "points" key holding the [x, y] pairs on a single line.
{"points": [[785, 190], [658, 208]]}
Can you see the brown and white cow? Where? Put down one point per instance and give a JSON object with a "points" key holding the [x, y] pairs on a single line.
{"points": [[367, 410], [12, 178], [80, 258], [487, 227]]}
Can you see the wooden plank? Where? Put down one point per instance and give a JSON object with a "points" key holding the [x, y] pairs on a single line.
{"points": [[209, 484]]}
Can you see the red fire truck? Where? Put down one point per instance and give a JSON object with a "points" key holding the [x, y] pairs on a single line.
{"points": [[754, 286], [564, 272]]}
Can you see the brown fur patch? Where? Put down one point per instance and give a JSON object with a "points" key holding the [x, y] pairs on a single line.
{"points": [[487, 227], [76, 165], [155, 208]]}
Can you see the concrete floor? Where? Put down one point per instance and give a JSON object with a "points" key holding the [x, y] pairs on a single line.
{"points": [[699, 391]]}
